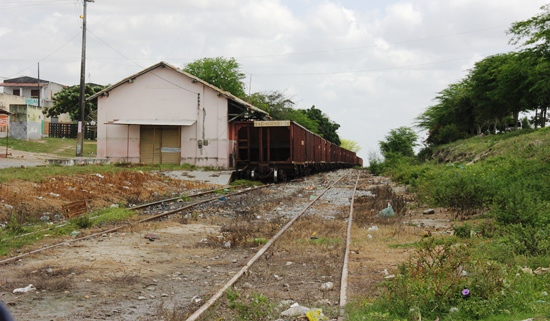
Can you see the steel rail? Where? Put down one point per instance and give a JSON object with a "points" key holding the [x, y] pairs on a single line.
{"points": [[344, 280], [258, 254], [11, 259], [137, 207]]}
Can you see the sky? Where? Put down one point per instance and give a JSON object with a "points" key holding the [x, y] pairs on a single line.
{"points": [[369, 65]]}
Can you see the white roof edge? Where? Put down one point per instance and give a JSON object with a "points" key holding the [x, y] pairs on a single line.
{"points": [[158, 122]]}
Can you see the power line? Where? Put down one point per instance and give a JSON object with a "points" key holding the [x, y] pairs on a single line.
{"points": [[19, 4], [368, 70], [49, 55], [294, 53], [371, 46], [135, 63]]}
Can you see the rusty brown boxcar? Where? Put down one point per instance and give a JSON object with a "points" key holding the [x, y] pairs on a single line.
{"points": [[281, 149]]}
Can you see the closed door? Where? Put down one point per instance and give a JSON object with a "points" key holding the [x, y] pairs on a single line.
{"points": [[160, 145]]}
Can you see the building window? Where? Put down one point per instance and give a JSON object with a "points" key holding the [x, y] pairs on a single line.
{"points": [[17, 92], [34, 93]]}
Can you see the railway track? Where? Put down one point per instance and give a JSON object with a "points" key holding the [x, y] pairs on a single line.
{"points": [[171, 204], [308, 252], [337, 275]]}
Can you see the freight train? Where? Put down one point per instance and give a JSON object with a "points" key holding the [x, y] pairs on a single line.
{"points": [[282, 149]]}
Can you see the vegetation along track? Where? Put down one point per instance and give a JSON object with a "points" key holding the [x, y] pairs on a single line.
{"points": [[169, 267]]}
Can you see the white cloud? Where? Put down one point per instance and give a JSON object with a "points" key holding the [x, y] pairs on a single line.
{"points": [[370, 65]]}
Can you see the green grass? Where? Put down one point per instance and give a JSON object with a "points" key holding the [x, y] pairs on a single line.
{"points": [[38, 174], [16, 236], [245, 182], [502, 182], [61, 147], [528, 143]]}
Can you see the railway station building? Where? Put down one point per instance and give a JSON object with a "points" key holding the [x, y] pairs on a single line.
{"points": [[163, 115]]}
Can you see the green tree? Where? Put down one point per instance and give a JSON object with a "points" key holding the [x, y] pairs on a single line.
{"points": [[281, 107], [350, 145], [223, 73], [68, 101], [534, 34], [453, 113], [400, 141], [327, 128]]}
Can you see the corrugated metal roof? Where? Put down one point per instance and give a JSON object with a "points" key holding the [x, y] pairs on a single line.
{"points": [[196, 79]]}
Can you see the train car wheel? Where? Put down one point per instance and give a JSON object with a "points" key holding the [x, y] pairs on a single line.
{"points": [[252, 175], [275, 176]]}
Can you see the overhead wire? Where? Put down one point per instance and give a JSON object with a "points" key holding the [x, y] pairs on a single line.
{"points": [[20, 4], [47, 56], [369, 70], [135, 63]]}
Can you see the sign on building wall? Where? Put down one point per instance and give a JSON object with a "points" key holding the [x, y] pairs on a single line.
{"points": [[4, 122], [31, 101]]}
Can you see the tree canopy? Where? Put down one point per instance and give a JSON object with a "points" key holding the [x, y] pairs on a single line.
{"points": [[533, 32], [497, 89], [399, 141], [350, 145], [327, 128], [68, 101], [223, 73], [282, 108]]}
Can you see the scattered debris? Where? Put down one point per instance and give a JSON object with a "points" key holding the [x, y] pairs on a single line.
{"points": [[387, 212], [295, 310], [151, 237], [327, 286], [26, 289]]}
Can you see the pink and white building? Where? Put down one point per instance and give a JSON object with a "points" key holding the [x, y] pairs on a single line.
{"points": [[163, 115]]}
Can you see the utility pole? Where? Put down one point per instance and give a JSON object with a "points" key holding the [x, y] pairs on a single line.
{"points": [[80, 134]]}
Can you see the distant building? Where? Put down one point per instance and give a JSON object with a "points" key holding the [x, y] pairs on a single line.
{"points": [[32, 88], [163, 115], [26, 97]]}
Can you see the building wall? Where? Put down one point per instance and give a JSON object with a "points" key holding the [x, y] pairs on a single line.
{"points": [[164, 94], [26, 122], [46, 100], [5, 101]]}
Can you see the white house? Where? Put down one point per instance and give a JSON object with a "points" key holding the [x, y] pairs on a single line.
{"points": [[163, 115]]}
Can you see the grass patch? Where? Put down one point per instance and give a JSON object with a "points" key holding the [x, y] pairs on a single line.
{"points": [[39, 174], [111, 215], [245, 182], [16, 236], [404, 245], [62, 147]]}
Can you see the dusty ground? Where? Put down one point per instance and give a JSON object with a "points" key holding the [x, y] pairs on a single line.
{"points": [[125, 276]]}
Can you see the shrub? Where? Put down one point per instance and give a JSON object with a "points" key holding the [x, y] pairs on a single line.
{"points": [[462, 231], [83, 222], [257, 307], [432, 281], [461, 189]]}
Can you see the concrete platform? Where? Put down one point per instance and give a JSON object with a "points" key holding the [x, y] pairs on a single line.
{"points": [[78, 161], [211, 177]]}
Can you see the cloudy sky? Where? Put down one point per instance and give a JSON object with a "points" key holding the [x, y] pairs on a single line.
{"points": [[370, 65]]}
